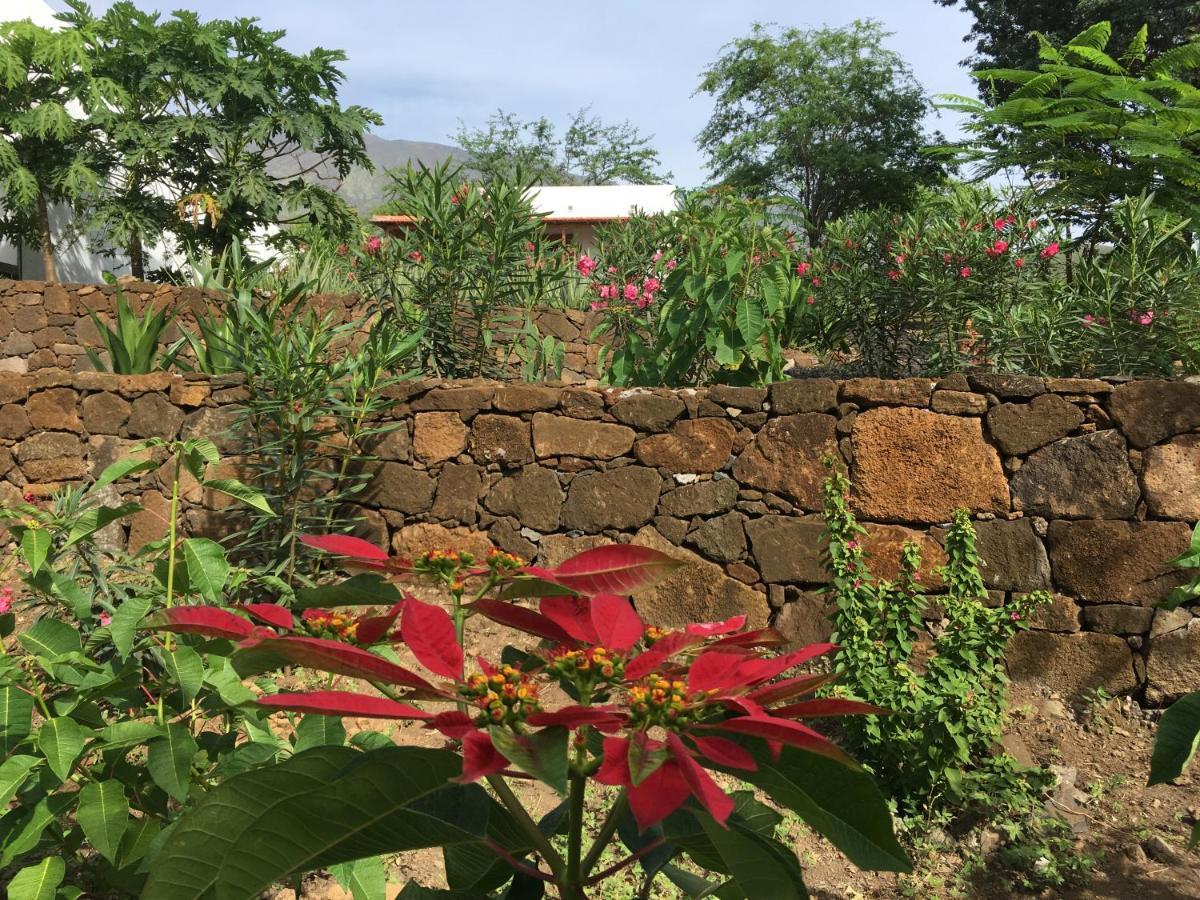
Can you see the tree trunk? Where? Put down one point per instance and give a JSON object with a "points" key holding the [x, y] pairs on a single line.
{"points": [[137, 258], [46, 239]]}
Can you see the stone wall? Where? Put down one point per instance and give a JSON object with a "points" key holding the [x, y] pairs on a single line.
{"points": [[1082, 487], [46, 326]]}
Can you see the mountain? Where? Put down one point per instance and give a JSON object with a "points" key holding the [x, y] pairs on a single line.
{"points": [[367, 191]]}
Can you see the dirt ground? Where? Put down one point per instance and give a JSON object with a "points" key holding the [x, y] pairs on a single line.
{"points": [[1135, 836]]}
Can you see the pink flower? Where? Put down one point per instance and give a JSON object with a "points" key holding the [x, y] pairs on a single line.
{"points": [[415, 256], [816, 282], [947, 258], [900, 259], [996, 249], [1051, 250], [1032, 224], [530, 246], [373, 244], [608, 292], [802, 268], [596, 305], [1016, 617], [105, 619], [657, 256], [585, 266], [894, 275], [671, 264], [6, 599], [1019, 262], [612, 270], [849, 244], [851, 545], [999, 224], [650, 285], [644, 301], [1088, 320], [631, 292], [965, 271], [811, 300]]}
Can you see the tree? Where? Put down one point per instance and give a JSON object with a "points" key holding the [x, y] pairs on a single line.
{"points": [[826, 119], [589, 152], [1086, 129], [1003, 30], [47, 153]]}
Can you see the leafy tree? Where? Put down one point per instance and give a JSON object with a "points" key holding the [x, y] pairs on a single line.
{"points": [[1003, 30], [1087, 129], [47, 155], [828, 119], [589, 152]]}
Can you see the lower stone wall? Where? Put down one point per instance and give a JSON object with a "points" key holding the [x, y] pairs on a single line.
{"points": [[1085, 488]]}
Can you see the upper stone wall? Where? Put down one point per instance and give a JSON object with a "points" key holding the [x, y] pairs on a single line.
{"points": [[1085, 488], [47, 326]]}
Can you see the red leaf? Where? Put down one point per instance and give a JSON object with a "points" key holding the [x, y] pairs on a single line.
{"points": [[615, 622], [651, 660], [789, 687], [372, 629], [763, 637], [709, 629], [206, 620], [523, 619], [617, 569], [812, 709], [759, 670], [663, 792], [330, 656], [725, 752], [573, 615], [429, 632], [788, 732], [453, 723], [701, 784], [344, 545], [604, 718], [343, 703], [271, 614], [480, 757], [614, 763], [715, 670]]}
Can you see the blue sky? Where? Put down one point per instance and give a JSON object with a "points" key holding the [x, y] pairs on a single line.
{"points": [[425, 65]]}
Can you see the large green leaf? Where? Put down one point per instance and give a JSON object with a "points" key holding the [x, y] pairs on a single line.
{"points": [[169, 760], [207, 567], [750, 319], [841, 804], [51, 639], [364, 589], [123, 468], [61, 740], [542, 754], [38, 882], [123, 627], [319, 731], [13, 772], [186, 669], [761, 866], [1177, 738], [35, 545], [365, 879], [28, 831], [130, 734], [16, 717], [103, 814], [317, 809]]}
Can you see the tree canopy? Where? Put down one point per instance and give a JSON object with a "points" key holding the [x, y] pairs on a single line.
{"points": [[588, 152], [828, 119]]}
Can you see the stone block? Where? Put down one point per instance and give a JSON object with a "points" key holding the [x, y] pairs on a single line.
{"points": [[648, 412], [887, 391], [399, 487], [1121, 562], [54, 410], [1085, 477], [720, 538], [533, 496], [564, 436], [788, 549], [786, 456], [803, 395], [1171, 478], [622, 498], [693, 445], [1072, 663], [1019, 428], [104, 413], [153, 415], [501, 439], [704, 498], [1152, 411], [439, 436]]}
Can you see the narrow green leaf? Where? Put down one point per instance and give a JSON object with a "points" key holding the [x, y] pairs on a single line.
{"points": [[13, 772], [123, 627], [103, 814], [61, 740], [1177, 738], [364, 589], [39, 882], [169, 760], [207, 567], [35, 545], [124, 468], [248, 495]]}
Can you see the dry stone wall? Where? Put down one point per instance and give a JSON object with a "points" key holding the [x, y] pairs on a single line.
{"points": [[1085, 488], [47, 326]]}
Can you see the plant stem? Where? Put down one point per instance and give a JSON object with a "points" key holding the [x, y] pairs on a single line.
{"points": [[173, 527], [578, 787], [607, 830], [539, 841]]}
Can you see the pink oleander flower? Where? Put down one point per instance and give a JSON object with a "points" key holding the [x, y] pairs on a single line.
{"points": [[947, 258], [671, 264], [1016, 617], [657, 256], [597, 305], [644, 301], [811, 300], [373, 244], [997, 249], [965, 271], [651, 285], [6, 599], [612, 270], [1000, 224], [816, 282], [1032, 224], [1051, 250], [893, 275], [802, 268], [900, 259], [1019, 262], [1088, 320], [416, 256], [631, 292], [105, 619], [585, 266]]}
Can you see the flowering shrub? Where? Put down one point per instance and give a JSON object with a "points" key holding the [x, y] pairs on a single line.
{"points": [[712, 299], [600, 698]]}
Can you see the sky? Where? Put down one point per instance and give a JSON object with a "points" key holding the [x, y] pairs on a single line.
{"points": [[424, 66]]}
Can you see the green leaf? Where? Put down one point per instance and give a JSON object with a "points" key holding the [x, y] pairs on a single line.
{"points": [[169, 760], [51, 640], [35, 545], [327, 806], [38, 882], [319, 731], [125, 620], [542, 754], [207, 567], [750, 319], [28, 831], [364, 589], [13, 772], [186, 669], [103, 814], [239, 491], [841, 804], [16, 717], [92, 520], [123, 468], [129, 734], [761, 866], [365, 879], [61, 740], [1177, 738]]}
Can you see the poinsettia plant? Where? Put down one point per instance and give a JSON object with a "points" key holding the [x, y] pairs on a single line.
{"points": [[599, 698]]}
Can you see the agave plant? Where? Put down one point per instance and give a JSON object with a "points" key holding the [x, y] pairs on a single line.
{"points": [[134, 348]]}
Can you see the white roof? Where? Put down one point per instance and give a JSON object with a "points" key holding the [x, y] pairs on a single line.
{"points": [[607, 201], [36, 10]]}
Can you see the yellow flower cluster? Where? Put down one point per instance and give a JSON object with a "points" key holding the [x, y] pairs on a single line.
{"points": [[335, 626], [505, 697], [498, 560], [588, 669], [657, 701]]}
